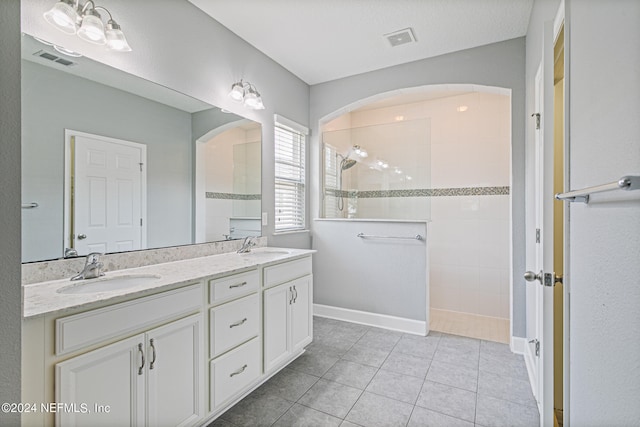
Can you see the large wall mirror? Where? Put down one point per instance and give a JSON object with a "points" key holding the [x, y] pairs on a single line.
{"points": [[113, 163]]}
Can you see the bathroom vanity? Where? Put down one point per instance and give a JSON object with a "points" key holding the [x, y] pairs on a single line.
{"points": [[169, 344]]}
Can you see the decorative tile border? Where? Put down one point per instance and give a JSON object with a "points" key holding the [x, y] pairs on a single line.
{"points": [[420, 192], [232, 196]]}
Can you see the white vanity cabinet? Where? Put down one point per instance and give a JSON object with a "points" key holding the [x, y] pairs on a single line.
{"points": [[235, 353], [287, 311], [151, 378], [176, 356]]}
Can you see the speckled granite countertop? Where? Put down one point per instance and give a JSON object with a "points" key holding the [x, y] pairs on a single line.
{"points": [[44, 298]]}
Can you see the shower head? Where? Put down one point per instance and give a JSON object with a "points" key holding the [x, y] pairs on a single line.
{"points": [[347, 163]]}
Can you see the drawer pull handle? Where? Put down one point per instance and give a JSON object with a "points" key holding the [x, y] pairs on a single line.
{"points": [[153, 360], [233, 325], [238, 372], [141, 368], [295, 298], [237, 285]]}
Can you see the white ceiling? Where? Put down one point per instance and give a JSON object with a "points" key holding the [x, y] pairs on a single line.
{"points": [[323, 40]]}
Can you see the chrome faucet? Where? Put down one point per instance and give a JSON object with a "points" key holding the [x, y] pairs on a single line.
{"points": [[247, 244], [92, 267]]}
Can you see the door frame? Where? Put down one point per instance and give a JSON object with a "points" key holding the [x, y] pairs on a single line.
{"points": [[68, 166]]}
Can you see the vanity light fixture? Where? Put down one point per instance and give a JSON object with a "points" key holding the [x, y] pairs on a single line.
{"points": [[84, 21], [246, 93]]}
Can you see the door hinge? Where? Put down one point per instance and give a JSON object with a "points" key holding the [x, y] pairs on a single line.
{"points": [[141, 166], [140, 222], [537, 235], [537, 343], [537, 116]]}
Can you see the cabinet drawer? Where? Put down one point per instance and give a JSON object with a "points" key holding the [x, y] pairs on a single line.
{"points": [[230, 287], [233, 323], [84, 329], [287, 271], [234, 371]]}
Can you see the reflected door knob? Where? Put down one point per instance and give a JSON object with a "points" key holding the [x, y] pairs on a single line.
{"points": [[530, 276], [82, 236]]}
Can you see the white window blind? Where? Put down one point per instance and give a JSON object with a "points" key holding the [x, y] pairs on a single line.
{"points": [[289, 178]]}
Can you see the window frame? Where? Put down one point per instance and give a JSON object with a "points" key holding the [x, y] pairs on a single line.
{"points": [[296, 169]]}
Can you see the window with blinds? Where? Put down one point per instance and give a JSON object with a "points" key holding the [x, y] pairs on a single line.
{"points": [[289, 178]]}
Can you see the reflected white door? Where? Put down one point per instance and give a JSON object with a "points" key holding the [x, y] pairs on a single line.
{"points": [[539, 349], [107, 195]]}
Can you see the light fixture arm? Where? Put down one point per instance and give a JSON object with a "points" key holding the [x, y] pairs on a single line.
{"points": [[105, 9]]}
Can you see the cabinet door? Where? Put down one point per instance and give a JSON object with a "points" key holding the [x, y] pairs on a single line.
{"points": [[175, 372], [110, 381], [300, 320], [276, 320]]}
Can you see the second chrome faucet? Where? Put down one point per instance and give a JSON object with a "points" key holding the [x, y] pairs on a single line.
{"points": [[92, 267]]}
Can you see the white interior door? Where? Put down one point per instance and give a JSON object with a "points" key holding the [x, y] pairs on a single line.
{"points": [[108, 194], [539, 350]]}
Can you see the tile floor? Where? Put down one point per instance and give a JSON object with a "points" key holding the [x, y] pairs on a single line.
{"points": [[354, 375]]}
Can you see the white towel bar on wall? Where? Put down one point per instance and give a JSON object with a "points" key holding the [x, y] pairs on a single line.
{"points": [[369, 236], [627, 183]]}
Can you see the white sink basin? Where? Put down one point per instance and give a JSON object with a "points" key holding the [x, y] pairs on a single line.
{"points": [[108, 284]]}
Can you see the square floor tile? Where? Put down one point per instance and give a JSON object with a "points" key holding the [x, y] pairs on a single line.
{"points": [[492, 412], [417, 346], [466, 344], [300, 416], [407, 364], [422, 417], [351, 373], [331, 398], [380, 339], [313, 363], [506, 388], [507, 365], [396, 386], [366, 356], [457, 356], [288, 384], [256, 410], [372, 410], [453, 375], [448, 400]]}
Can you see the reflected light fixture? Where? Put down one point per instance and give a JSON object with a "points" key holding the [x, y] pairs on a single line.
{"points": [[462, 109], [84, 21], [246, 93], [360, 151]]}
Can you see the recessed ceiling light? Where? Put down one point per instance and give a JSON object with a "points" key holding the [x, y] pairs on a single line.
{"points": [[462, 108]]}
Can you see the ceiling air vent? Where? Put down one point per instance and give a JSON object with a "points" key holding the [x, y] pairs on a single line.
{"points": [[400, 37], [54, 58]]}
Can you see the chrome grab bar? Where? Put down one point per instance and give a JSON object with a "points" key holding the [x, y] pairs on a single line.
{"points": [[626, 183], [369, 236]]}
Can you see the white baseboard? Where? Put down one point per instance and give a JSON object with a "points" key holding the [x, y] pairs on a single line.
{"points": [[385, 321], [518, 345]]}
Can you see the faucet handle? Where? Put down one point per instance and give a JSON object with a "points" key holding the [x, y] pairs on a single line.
{"points": [[93, 257]]}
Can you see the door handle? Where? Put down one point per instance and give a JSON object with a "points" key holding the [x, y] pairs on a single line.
{"points": [[530, 276], [82, 236]]}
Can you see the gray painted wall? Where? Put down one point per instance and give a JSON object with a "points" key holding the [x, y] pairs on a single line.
{"points": [[176, 45], [11, 300], [500, 64], [604, 236], [53, 101]]}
